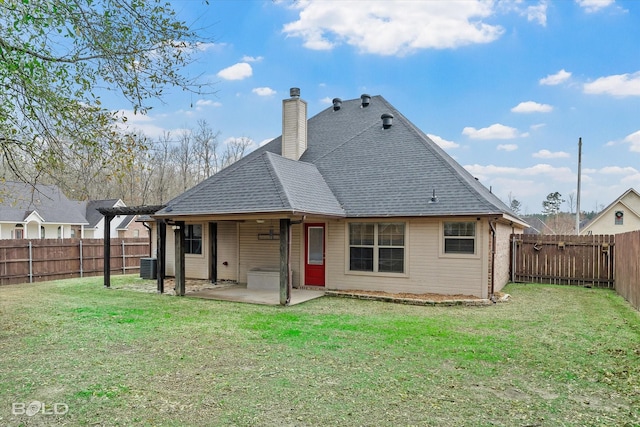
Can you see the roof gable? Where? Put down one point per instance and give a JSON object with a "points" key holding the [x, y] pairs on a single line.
{"points": [[629, 200], [265, 183]]}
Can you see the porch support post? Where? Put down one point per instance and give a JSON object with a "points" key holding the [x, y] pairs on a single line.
{"points": [[107, 250], [180, 270], [285, 275], [161, 252]]}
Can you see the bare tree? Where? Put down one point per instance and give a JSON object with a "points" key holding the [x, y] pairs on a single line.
{"points": [[236, 148], [514, 204], [206, 148], [183, 154], [571, 202]]}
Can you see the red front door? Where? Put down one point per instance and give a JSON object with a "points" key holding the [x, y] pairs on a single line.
{"points": [[314, 254]]}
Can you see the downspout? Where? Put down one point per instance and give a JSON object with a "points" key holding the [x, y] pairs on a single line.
{"points": [[150, 240], [493, 260]]}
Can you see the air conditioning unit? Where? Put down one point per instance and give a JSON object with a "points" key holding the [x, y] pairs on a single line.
{"points": [[148, 268]]}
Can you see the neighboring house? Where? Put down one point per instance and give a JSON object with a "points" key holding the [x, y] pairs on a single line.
{"points": [[95, 229], [121, 225], [621, 216], [37, 212], [131, 227], [536, 225], [366, 200]]}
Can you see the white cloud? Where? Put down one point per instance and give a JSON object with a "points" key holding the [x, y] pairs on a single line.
{"points": [[207, 103], [617, 170], [616, 85], [631, 180], [532, 107], [592, 6], [326, 100], [555, 79], [537, 126], [495, 131], [145, 124], [634, 141], [252, 58], [238, 71], [546, 154], [563, 174], [443, 143], [393, 27], [507, 147], [538, 13], [263, 91], [203, 47]]}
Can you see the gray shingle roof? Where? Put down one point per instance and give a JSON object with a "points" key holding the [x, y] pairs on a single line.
{"points": [[18, 200], [369, 170], [265, 183], [92, 214]]}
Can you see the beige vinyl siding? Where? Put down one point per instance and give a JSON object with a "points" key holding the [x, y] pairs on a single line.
{"points": [[255, 253], [195, 265], [227, 250], [297, 254], [427, 268]]}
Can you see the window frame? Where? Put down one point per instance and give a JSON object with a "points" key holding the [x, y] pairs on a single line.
{"points": [[474, 238], [18, 231], [376, 247], [188, 240], [618, 220]]}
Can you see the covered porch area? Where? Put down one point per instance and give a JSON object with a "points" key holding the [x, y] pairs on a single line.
{"points": [[240, 293]]}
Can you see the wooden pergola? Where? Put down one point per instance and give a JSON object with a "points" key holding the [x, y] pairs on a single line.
{"points": [[109, 214]]}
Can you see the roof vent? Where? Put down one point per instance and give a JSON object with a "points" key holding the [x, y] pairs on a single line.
{"points": [[366, 100], [337, 103], [294, 92], [387, 120], [434, 198]]}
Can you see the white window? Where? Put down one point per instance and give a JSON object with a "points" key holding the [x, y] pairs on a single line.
{"points": [[460, 237], [619, 218], [19, 232], [377, 247]]}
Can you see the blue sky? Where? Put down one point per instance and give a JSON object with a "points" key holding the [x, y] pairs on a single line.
{"points": [[505, 87]]}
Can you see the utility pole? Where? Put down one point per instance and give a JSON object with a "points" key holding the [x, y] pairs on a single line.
{"points": [[578, 195]]}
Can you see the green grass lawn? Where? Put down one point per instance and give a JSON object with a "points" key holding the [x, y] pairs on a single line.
{"points": [[552, 356]]}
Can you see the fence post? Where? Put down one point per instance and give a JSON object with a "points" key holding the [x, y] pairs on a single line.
{"points": [[30, 263], [81, 267], [124, 260]]}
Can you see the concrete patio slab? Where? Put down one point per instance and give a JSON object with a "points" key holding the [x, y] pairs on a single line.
{"points": [[240, 293]]}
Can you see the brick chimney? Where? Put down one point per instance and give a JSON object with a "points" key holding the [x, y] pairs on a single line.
{"points": [[294, 125]]}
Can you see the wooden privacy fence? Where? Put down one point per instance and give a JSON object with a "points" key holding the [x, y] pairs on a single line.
{"points": [[569, 260], [627, 270], [27, 261]]}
